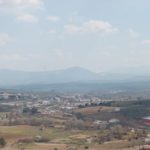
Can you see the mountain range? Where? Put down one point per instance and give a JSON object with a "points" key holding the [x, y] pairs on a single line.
{"points": [[70, 75]]}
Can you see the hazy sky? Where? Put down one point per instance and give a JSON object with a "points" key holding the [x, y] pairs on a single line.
{"points": [[100, 35]]}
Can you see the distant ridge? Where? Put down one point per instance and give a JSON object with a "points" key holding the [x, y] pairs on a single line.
{"points": [[74, 74], [71, 75]]}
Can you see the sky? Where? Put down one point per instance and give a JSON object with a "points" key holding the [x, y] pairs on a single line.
{"points": [[100, 35]]}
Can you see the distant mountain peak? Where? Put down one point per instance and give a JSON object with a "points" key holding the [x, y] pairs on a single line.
{"points": [[72, 74]]}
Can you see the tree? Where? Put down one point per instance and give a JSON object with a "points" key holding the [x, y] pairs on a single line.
{"points": [[34, 110]]}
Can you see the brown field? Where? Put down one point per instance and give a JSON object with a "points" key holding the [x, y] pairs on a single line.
{"points": [[93, 110], [59, 138]]}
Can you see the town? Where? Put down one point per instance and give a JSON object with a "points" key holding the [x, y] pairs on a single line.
{"points": [[72, 121]]}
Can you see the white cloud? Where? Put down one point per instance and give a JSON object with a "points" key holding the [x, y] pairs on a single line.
{"points": [[72, 29], [5, 39], [96, 25], [53, 18], [133, 34], [27, 18], [146, 42], [21, 3], [17, 7], [91, 26]]}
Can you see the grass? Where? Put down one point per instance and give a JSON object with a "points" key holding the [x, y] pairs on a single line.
{"points": [[52, 133]]}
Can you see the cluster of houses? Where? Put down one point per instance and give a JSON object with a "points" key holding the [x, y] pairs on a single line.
{"points": [[103, 124]]}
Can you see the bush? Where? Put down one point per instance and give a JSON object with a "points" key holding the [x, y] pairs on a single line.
{"points": [[2, 142], [135, 112], [86, 147]]}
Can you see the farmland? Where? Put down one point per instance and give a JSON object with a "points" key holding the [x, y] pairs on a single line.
{"points": [[60, 139]]}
